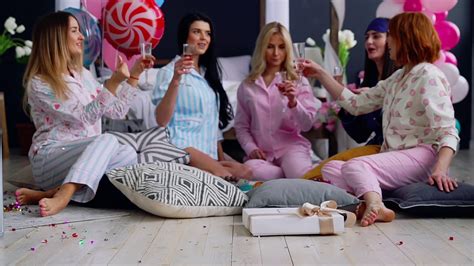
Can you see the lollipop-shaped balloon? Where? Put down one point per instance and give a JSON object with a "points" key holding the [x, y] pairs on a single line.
{"points": [[90, 30], [128, 23]]}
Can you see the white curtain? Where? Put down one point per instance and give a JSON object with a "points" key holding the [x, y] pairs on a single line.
{"points": [[278, 10], [62, 4]]}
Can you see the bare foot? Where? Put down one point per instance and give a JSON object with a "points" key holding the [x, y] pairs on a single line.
{"points": [[51, 206], [25, 196], [370, 213], [237, 170]]}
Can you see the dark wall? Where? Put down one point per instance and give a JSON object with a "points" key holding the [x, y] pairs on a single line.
{"points": [[309, 18], [461, 15], [11, 73], [236, 25]]}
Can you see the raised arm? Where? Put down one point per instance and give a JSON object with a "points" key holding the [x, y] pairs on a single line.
{"points": [[312, 69], [166, 90]]}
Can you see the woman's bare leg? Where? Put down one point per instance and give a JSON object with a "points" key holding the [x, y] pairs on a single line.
{"points": [[205, 162], [373, 210], [59, 201], [25, 196]]}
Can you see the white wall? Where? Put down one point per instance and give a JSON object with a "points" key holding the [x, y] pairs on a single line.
{"points": [[62, 4], [278, 10]]}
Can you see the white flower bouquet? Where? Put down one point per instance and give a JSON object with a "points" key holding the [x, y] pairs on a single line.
{"points": [[346, 42], [22, 47]]}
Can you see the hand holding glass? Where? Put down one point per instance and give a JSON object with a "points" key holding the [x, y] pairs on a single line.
{"points": [[146, 50], [281, 88]]}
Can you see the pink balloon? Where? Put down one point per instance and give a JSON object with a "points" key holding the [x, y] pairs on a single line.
{"points": [[94, 7], [110, 55], [459, 90], [430, 15], [450, 58], [439, 5], [412, 6], [448, 33], [441, 16]]}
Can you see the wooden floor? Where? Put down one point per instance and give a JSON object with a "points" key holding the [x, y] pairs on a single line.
{"points": [[141, 238]]}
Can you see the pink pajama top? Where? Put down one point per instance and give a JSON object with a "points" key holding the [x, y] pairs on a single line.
{"points": [[263, 119], [417, 108], [79, 116]]}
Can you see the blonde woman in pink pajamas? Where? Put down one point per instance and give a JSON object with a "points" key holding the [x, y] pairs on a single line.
{"points": [[271, 112], [418, 123]]}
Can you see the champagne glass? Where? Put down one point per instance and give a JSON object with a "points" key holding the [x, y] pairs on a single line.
{"points": [[298, 51], [146, 50], [337, 73], [188, 51], [284, 77]]}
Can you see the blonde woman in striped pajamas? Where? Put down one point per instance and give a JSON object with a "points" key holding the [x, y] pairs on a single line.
{"points": [[69, 154]]}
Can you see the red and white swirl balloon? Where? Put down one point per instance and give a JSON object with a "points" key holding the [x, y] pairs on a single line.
{"points": [[128, 23]]}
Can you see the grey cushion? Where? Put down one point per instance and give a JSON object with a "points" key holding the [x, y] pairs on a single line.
{"points": [[422, 198], [282, 193], [153, 145], [177, 191]]}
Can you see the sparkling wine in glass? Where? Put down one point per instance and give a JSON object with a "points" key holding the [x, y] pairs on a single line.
{"points": [[284, 77], [188, 51], [337, 73], [146, 50], [298, 51]]}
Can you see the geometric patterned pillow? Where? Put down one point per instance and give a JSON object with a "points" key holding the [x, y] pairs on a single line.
{"points": [[177, 190], [153, 145]]}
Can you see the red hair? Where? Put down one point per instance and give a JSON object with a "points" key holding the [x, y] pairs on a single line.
{"points": [[415, 39]]}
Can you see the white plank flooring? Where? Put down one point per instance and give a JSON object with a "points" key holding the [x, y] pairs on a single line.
{"points": [[141, 238]]}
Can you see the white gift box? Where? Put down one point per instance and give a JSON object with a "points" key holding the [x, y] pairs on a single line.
{"points": [[288, 221]]}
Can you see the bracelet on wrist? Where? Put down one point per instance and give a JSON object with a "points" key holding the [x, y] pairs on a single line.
{"points": [[135, 78]]}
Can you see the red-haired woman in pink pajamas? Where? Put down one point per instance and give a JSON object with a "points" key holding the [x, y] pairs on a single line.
{"points": [[420, 137]]}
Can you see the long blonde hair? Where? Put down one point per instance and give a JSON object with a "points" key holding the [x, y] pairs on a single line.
{"points": [[50, 55], [259, 63]]}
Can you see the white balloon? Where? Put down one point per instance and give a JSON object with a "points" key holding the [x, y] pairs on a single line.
{"points": [[388, 9], [450, 71], [459, 90]]}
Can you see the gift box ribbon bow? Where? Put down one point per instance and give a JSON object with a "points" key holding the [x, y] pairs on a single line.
{"points": [[325, 210]]}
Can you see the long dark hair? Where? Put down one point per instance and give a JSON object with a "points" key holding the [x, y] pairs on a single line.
{"points": [[209, 61], [371, 74]]}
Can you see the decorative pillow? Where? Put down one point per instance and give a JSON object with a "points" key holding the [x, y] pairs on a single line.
{"points": [[235, 68], [153, 145], [423, 199], [122, 125], [230, 88], [177, 191], [280, 193]]}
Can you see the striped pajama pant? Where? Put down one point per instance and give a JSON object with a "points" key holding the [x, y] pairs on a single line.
{"points": [[82, 162]]}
